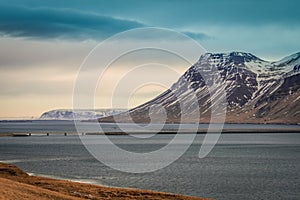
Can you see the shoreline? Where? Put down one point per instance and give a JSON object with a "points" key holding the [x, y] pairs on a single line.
{"points": [[110, 122], [67, 128], [16, 184], [226, 131]]}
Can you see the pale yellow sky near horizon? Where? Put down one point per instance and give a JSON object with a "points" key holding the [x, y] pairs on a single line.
{"points": [[37, 76]]}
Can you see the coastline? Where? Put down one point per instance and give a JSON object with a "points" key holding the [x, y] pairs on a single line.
{"points": [[120, 133], [16, 129], [16, 184]]}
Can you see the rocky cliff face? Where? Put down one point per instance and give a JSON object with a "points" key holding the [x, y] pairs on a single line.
{"points": [[257, 91]]}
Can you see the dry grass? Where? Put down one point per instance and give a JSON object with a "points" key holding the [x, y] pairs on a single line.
{"points": [[16, 184]]}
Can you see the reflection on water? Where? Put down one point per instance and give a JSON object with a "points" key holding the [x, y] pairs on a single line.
{"points": [[241, 166]]}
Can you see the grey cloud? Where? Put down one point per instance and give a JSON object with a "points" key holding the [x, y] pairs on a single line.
{"points": [[46, 23]]}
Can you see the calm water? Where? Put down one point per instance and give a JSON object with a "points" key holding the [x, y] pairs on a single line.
{"points": [[241, 166]]}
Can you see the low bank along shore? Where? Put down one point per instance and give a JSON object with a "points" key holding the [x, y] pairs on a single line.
{"points": [[16, 184]]}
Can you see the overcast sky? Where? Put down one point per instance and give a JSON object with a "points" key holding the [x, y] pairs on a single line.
{"points": [[44, 42]]}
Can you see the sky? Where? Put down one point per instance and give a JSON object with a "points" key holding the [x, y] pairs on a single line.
{"points": [[44, 42]]}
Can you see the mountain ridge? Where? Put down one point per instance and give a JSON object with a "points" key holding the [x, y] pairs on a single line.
{"points": [[257, 91]]}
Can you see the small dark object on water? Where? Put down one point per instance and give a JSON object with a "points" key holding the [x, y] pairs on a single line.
{"points": [[20, 134]]}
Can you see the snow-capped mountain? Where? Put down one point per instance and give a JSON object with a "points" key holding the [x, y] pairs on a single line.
{"points": [[65, 114], [257, 91]]}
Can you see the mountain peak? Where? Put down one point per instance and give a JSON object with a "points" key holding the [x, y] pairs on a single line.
{"points": [[236, 57], [242, 54]]}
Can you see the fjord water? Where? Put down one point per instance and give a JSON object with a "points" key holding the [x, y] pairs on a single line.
{"points": [[241, 166]]}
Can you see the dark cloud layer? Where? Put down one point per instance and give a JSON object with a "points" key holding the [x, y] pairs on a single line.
{"points": [[17, 21], [177, 13], [98, 19]]}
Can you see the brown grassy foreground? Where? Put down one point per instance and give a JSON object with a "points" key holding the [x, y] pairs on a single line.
{"points": [[16, 184]]}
